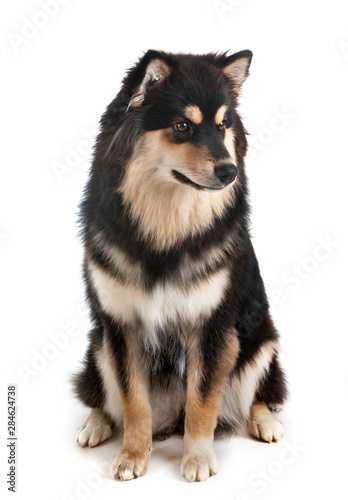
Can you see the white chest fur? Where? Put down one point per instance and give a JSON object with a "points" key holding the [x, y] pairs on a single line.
{"points": [[164, 303]]}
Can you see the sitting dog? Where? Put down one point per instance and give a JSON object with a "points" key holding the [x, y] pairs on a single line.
{"points": [[182, 339]]}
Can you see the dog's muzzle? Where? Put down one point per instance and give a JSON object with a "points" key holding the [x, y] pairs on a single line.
{"points": [[226, 172]]}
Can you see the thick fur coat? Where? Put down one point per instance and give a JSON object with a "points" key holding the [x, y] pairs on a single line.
{"points": [[182, 339]]}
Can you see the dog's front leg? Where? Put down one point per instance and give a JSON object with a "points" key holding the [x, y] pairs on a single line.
{"points": [[124, 349], [210, 359]]}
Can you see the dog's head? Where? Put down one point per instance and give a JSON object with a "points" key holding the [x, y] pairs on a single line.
{"points": [[175, 141], [179, 113]]}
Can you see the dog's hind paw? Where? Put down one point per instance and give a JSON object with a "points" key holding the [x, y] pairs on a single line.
{"points": [[263, 425], [95, 430]]}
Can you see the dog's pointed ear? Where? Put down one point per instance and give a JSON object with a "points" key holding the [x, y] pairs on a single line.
{"points": [[236, 67], [153, 68]]}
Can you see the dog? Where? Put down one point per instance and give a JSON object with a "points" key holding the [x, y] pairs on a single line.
{"points": [[182, 340]]}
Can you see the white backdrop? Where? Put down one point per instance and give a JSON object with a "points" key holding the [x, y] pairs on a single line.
{"points": [[62, 63]]}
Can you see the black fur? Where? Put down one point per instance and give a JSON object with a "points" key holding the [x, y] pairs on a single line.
{"points": [[198, 80], [88, 383]]}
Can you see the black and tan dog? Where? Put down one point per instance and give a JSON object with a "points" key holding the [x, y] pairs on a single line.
{"points": [[182, 339]]}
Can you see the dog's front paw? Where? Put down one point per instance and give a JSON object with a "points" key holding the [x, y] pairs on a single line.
{"points": [[198, 468], [129, 465], [199, 461]]}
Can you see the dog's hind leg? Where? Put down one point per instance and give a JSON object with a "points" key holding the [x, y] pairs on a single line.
{"points": [[271, 393], [89, 387], [95, 430]]}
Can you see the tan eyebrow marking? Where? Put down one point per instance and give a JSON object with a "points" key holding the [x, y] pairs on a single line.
{"points": [[194, 114], [220, 114]]}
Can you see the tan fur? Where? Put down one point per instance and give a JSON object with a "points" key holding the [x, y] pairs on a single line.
{"points": [[201, 418], [156, 71], [134, 455], [194, 114], [165, 302], [229, 144], [220, 114], [167, 210], [201, 415], [263, 424], [137, 419], [96, 429], [237, 70], [241, 388], [191, 267], [130, 272], [133, 458]]}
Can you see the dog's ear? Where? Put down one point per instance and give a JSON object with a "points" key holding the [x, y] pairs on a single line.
{"points": [[236, 67], [151, 70]]}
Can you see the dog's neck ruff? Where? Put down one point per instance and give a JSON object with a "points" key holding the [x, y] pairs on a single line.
{"points": [[167, 212]]}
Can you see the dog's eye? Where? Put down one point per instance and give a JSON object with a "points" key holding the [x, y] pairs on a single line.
{"points": [[222, 125], [182, 127]]}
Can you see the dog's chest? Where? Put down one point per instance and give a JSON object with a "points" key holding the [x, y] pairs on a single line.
{"points": [[168, 301]]}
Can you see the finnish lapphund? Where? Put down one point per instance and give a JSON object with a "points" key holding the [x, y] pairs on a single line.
{"points": [[182, 340]]}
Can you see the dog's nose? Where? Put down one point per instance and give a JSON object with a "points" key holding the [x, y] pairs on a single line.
{"points": [[226, 172]]}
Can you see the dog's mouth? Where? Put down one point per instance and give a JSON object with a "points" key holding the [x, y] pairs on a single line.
{"points": [[185, 180]]}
